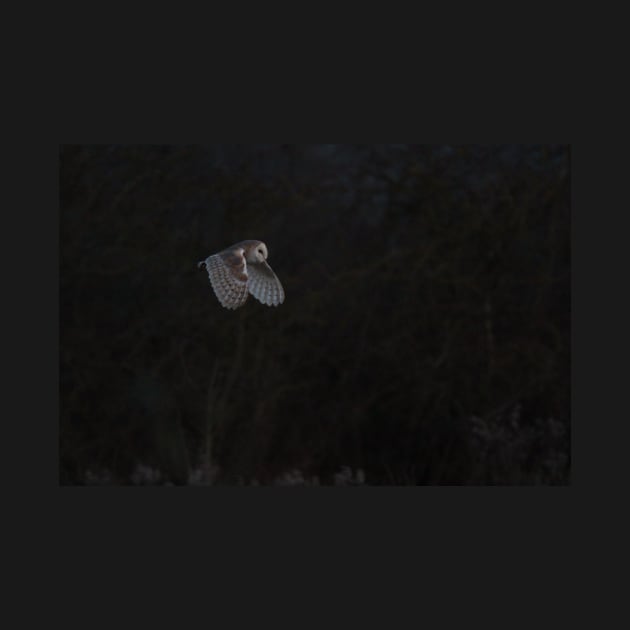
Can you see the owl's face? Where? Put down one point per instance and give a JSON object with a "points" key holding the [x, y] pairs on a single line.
{"points": [[257, 253]]}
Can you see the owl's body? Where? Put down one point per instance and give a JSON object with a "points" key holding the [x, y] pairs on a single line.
{"points": [[242, 269]]}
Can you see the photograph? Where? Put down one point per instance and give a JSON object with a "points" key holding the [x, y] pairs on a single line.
{"points": [[323, 315]]}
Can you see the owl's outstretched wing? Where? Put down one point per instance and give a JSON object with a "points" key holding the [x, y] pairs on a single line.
{"points": [[264, 285], [228, 275]]}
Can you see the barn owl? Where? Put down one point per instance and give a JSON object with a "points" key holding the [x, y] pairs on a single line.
{"points": [[243, 268]]}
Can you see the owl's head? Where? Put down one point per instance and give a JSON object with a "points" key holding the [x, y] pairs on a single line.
{"points": [[260, 252]]}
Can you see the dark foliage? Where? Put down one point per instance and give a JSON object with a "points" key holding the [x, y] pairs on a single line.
{"points": [[425, 336]]}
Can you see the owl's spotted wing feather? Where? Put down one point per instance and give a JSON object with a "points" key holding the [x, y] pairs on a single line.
{"points": [[228, 275], [264, 285]]}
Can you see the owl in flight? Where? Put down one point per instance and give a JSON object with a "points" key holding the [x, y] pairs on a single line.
{"points": [[241, 269]]}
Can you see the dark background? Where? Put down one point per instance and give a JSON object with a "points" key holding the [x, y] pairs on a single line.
{"points": [[424, 339]]}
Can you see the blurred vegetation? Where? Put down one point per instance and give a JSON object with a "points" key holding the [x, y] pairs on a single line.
{"points": [[425, 336]]}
